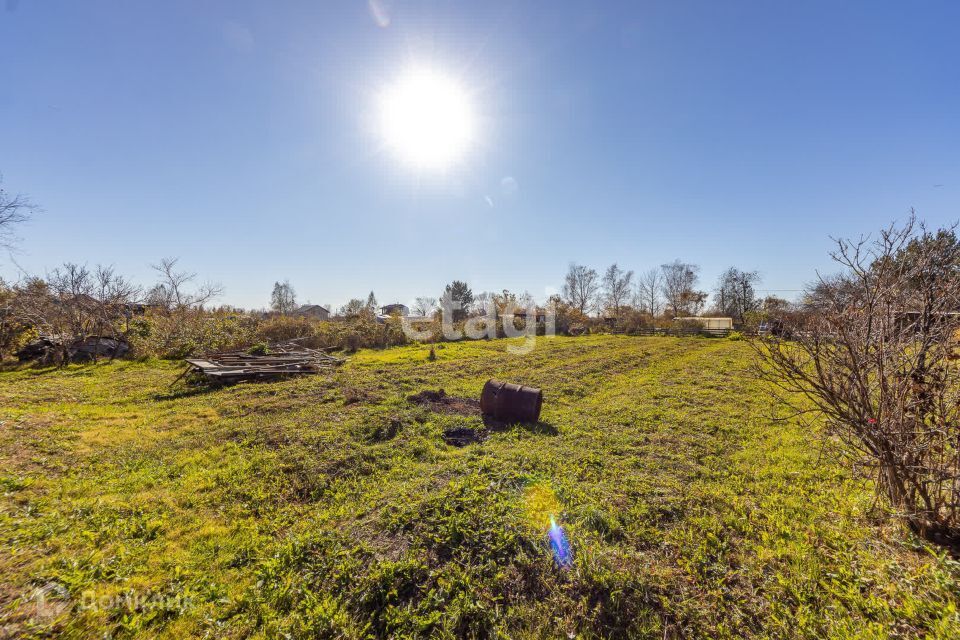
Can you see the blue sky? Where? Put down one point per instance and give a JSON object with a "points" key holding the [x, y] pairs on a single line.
{"points": [[237, 136]]}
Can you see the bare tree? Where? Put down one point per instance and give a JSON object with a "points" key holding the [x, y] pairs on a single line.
{"points": [[872, 359], [425, 305], [482, 303], [526, 301], [617, 284], [283, 300], [580, 288], [14, 210], [173, 290], [648, 291], [678, 288], [735, 295], [501, 301]]}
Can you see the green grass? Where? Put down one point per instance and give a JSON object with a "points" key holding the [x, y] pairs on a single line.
{"points": [[331, 506]]}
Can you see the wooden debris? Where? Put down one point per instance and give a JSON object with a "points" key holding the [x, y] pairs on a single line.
{"points": [[49, 348], [281, 360]]}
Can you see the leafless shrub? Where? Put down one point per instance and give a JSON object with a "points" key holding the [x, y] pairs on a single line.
{"points": [[174, 291], [73, 303], [873, 358], [14, 210]]}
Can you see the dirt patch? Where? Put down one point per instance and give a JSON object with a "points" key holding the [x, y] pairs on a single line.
{"points": [[462, 436], [440, 402], [356, 395]]}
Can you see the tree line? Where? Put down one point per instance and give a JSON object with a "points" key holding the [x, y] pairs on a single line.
{"points": [[670, 290]]}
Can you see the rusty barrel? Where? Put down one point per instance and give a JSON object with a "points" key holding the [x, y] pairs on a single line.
{"points": [[510, 402]]}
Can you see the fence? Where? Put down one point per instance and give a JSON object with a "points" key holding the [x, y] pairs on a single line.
{"points": [[673, 331]]}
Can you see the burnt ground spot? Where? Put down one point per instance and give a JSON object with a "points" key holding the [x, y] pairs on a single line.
{"points": [[440, 402], [462, 436]]}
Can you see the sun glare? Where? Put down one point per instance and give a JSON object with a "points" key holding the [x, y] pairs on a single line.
{"points": [[426, 119]]}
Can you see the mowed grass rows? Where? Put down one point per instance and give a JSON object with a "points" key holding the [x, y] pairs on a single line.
{"points": [[332, 507]]}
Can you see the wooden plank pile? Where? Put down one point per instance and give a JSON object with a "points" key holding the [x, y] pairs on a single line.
{"points": [[281, 360]]}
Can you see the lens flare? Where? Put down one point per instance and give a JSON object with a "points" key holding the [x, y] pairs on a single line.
{"points": [[540, 502], [559, 544], [541, 505]]}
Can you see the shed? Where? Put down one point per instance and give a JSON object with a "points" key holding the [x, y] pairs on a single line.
{"points": [[314, 311], [711, 324]]}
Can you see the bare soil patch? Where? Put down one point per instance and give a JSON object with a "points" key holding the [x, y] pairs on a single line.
{"points": [[441, 402]]}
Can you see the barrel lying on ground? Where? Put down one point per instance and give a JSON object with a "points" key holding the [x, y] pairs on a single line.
{"points": [[510, 402]]}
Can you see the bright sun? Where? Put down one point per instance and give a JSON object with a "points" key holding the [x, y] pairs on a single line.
{"points": [[426, 119]]}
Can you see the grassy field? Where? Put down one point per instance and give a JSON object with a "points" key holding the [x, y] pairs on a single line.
{"points": [[332, 507]]}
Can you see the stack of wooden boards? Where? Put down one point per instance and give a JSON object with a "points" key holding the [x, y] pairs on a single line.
{"points": [[279, 361]]}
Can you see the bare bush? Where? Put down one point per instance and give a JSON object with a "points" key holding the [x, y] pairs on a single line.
{"points": [[73, 303], [191, 331], [873, 358], [175, 289], [282, 328], [14, 210]]}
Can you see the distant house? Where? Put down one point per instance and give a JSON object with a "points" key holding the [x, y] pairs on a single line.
{"points": [[82, 300], [313, 311], [394, 309], [539, 315]]}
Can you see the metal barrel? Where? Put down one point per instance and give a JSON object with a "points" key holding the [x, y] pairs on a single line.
{"points": [[510, 402]]}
